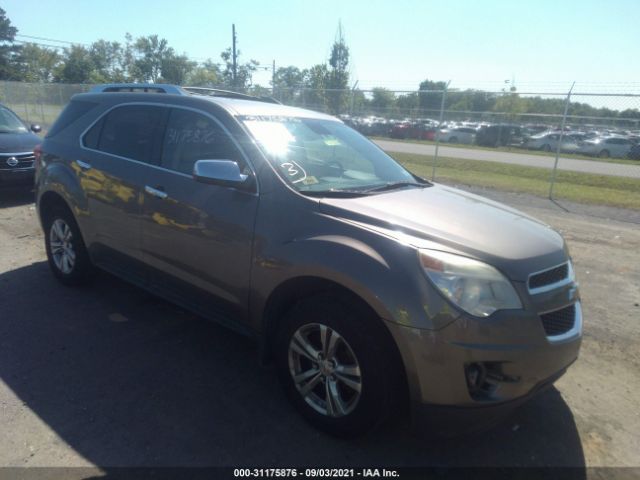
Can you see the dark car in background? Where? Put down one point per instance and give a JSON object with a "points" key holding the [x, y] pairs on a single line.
{"points": [[413, 130], [17, 142], [500, 135]]}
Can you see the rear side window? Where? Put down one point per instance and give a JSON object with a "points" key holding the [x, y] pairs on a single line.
{"points": [[72, 112], [190, 137], [131, 131], [92, 137]]}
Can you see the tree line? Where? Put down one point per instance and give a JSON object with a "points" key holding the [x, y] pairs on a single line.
{"points": [[151, 59]]}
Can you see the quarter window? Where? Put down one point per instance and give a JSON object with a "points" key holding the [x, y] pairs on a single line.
{"points": [[191, 136]]}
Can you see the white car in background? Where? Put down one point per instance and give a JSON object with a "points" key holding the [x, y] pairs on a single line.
{"points": [[457, 135], [548, 142], [605, 147]]}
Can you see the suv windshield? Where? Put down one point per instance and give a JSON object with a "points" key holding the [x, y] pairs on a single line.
{"points": [[9, 123], [320, 156]]}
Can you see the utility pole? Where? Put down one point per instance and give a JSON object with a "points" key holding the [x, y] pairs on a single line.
{"points": [[235, 56], [273, 79]]}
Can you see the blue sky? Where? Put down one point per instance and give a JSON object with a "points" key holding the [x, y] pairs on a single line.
{"points": [[544, 45]]}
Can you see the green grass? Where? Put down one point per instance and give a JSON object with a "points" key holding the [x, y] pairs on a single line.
{"points": [[514, 150], [577, 187]]}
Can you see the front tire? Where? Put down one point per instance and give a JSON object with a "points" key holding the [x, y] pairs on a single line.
{"points": [[66, 253], [336, 367]]}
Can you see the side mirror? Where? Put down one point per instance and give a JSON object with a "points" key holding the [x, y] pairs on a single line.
{"points": [[219, 172], [36, 128]]}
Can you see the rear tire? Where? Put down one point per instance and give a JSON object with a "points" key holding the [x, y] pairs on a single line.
{"points": [[66, 252], [546, 147], [453, 140], [346, 375], [604, 154]]}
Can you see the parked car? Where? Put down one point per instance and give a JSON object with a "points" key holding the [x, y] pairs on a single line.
{"points": [[17, 142], [548, 142], [605, 147], [634, 153], [457, 135], [370, 288], [500, 135], [413, 130]]}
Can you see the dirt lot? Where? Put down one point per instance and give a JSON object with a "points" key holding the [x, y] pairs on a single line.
{"points": [[109, 375]]}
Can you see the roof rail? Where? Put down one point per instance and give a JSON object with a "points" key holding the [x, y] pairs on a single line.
{"points": [[176, 90], [216, 92], [137, 88]]}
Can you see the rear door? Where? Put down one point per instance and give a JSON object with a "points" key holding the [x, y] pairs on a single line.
{"points": [[117, 151], [198, 237]]}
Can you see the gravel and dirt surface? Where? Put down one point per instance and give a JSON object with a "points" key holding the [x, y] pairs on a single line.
{"points": [[109, 375]]}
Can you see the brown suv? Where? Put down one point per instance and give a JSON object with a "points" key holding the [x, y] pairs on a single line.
{"points": [[370, 288]]}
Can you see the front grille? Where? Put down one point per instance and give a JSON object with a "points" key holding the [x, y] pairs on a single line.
{"points": [[560, 321], [25, 160], [549, 277]]}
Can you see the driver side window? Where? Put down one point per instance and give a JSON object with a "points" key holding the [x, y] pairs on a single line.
{"points": [[191, 136]]}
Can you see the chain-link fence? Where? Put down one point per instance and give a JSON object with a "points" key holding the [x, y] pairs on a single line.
{"points": [[564, 145]]}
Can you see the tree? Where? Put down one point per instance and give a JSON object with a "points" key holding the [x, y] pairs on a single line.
{"points": [[106, 57], [383, 100], [152, 52], [287, 82], [176, 68], [407, 103], [207, 74], [430, 96], [8, 50], [338, 74], [315, 80], [36, 64], [244, 72], [76, 66]]}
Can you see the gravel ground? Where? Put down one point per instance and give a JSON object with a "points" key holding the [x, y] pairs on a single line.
{"points": [[108, 375]]}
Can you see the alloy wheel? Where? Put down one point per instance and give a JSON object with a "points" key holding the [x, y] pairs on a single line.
{"points": [[62, 251], [325, 370]]}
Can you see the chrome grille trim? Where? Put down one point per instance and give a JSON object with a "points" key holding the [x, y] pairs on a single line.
{"points": [[574, 332], [551, 286]]}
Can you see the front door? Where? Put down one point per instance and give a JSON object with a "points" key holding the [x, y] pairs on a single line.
{"points": [[197, 238]]}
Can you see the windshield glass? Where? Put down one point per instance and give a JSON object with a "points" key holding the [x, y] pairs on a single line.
{"points": [[9, 123], [314, 155]]}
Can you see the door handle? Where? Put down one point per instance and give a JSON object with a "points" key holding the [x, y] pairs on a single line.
{"points": [[83, 165], [156, 192]]}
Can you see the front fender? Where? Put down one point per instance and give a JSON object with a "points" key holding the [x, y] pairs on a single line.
{"points": [[385, 275]]}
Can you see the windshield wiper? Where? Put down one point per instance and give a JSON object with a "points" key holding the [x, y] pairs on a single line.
{"points": [[334, 192], [394, 185]]}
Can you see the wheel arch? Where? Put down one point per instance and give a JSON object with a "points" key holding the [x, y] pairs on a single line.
{"points": [[293, 290]]}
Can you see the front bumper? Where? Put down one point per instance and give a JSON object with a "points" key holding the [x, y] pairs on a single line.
{"points": [[17, 176], [512, 347]]}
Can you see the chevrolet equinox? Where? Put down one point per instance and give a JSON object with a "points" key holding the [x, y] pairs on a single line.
{"points": [[372, 290]]}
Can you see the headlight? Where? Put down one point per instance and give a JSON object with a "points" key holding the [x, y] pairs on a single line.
{"points": [[475, 287]]}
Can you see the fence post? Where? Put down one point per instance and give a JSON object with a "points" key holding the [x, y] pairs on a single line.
{"points": [[435, 154], [562, 125]]}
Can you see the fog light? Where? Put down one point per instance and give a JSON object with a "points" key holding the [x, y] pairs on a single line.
{"points": [[475, 374]]}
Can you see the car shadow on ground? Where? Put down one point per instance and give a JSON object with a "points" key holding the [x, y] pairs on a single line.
{"points": [[126, 379], [16, 196]]}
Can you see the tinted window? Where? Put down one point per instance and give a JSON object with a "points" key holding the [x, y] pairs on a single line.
{"points": [[190, 137], [73, 111], [92, 137], [133, 131]]}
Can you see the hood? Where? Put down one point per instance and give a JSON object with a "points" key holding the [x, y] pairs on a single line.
{"points": [[458, 222], [18, 142]]}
